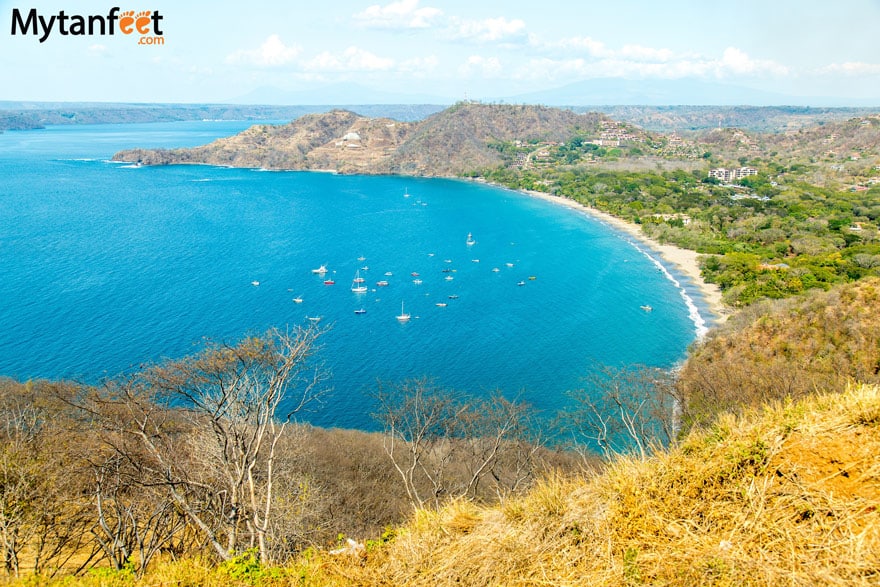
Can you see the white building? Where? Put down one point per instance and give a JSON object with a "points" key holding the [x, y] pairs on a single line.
{"points": [[723, 174]]}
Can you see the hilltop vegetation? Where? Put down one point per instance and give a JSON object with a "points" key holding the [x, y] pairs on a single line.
{"points": [[201, 457], [787, 349], [788, 495]]}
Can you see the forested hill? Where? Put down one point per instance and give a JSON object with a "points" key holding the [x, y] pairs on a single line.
{"points": [[450, 142], [466, 136]]}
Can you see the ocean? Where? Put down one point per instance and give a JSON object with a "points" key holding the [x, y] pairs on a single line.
{"points": [[105, 267]]}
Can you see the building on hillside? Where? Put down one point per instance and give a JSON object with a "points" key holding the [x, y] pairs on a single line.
{"points": [[724, 174]]}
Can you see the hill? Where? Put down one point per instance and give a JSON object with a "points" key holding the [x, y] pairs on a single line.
{"points": [[458, 139], [450, 142], [338, 139], [785, 349]]}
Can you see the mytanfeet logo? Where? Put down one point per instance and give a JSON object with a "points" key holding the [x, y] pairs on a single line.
{"points": [[144, 24]]}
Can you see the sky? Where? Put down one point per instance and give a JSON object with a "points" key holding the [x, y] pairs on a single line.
{"points": [[449, 50]]}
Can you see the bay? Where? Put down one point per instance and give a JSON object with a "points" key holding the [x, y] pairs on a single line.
{"points": [[105, 266]]}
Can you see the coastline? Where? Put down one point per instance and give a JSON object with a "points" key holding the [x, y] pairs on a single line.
{"points": [[684, 260]]}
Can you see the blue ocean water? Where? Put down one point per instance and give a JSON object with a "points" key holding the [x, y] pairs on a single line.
{"points": [[105, 266]]}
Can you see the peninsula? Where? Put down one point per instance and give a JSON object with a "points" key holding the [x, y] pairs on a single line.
{"points": [[450, 143]]}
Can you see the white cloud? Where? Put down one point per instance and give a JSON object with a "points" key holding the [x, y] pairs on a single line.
{"points": [[633, 60], [352, 59], [738, 62], [854, 68], [544, 68], [489, 30], [97, 50], [636, 61], [580, 45], [648, 54], [272, 53], [477, 65], [419, 66], [405, 14]]}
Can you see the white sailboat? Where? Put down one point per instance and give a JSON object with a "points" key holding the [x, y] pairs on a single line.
{"points": [[470, 240], [403, 315], [357, 284]]}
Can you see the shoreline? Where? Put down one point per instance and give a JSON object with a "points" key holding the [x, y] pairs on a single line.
{"points": [[685, 260]]}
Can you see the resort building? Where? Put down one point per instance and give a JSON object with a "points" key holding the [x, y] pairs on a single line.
{"points": [[723, 174]]}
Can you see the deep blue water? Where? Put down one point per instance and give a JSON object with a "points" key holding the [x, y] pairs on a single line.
{"points": [[106, 266]]}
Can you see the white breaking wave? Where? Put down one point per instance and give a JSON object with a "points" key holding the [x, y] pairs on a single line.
{"points": [[693, 311], [700, 326]]}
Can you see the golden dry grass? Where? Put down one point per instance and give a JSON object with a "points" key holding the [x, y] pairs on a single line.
{"points": [[788, 496]]}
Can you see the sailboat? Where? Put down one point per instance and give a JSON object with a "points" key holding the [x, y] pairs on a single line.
{"points": [[357, 284], [470, 240], [403, 315]]}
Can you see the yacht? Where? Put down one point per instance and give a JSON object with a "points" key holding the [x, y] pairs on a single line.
{"points": [[357, 284]]}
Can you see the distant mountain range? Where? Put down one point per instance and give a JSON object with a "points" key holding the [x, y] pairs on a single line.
{"points": [[33, 115], [340, 94], [593, 92], [686, 92]]}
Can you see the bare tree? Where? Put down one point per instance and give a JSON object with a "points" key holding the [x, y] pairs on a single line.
{"points": [[500, 441], [623, 410], [40, 482], [133, 522], [443, 443], [418, 418], [215, 452]]}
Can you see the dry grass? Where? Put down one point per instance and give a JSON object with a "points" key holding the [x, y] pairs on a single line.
{"points": [[788, 496]]}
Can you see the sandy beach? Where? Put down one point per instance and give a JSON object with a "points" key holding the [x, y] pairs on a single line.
{"points": [[683, 259]]}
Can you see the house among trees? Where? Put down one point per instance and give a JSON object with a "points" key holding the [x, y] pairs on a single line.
{"points": [[724, 174]]}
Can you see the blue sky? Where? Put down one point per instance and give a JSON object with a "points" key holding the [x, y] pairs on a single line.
{"points": [[450, 49]]}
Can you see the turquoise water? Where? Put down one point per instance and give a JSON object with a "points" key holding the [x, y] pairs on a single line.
{"points": [[105, 266]]}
